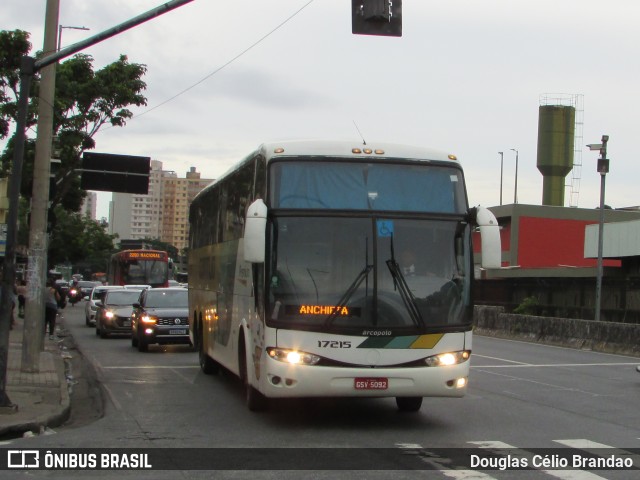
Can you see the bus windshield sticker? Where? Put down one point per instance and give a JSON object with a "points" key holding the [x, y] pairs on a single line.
{"points": [[385, 228]]}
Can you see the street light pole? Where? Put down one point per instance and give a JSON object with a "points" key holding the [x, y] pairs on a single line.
{"points": [[603, 169], [501, 172], [60, 27], [515, 190]]}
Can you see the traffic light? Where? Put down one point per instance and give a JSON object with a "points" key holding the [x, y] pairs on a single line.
{"points": [[376, 17]]}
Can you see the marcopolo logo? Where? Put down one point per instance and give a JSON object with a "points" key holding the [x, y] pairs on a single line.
{"points": [[23, 459]]}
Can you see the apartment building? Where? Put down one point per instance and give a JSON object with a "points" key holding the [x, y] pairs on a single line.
{"points": [[89, 205], [163, 213]]}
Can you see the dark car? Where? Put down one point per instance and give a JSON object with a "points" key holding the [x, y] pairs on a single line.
{"points": [[86, 286], [91, 307], [161, 316], [80, 290], [114, 312]]}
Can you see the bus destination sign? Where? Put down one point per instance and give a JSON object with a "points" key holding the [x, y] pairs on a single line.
{"points": [[146, 255]]}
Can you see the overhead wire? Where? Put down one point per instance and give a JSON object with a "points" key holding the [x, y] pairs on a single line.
{"points": [[226, 64]]}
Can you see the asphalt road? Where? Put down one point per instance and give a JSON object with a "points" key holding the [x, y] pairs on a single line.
{"points": [[522, 397]]}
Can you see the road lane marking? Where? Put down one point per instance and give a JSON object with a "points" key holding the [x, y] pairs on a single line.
{"points": [[547, 365], [499, 359], [562, 474], [545, 384], [150, 367], [442, 465], [590, 446]]}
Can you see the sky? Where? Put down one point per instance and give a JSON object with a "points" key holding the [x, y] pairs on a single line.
{"points": [[466, 77]]}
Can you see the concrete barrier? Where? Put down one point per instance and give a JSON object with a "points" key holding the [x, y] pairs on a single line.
{"points": [[610, 337]]}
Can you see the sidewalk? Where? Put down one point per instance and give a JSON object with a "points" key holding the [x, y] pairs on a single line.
{"points": [[42, 398]]}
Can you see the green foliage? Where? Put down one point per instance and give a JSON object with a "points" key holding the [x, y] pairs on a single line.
{"points": [[157, 244], [79, 240], [13, 46], [529, 306], [85, 101]]}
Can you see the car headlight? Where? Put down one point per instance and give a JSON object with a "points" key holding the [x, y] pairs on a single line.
{"points": [[109, 314], [148, 319], [293, 357], [447, 359]]}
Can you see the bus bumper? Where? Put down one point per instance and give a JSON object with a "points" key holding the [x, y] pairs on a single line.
{"points": [[284, 380]]}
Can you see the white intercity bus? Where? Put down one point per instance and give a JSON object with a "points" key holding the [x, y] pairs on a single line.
{"points": [[328, 269]]}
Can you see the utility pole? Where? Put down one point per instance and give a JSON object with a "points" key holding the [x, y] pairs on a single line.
{"points": [[501, 173], [515, 187], [33, 341]]}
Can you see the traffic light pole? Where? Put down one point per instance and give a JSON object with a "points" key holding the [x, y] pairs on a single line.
{"points": [[33, 339]]}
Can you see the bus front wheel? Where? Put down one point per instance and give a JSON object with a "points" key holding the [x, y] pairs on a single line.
{"points": [[409, 404], [207, 364], [256, 401]]}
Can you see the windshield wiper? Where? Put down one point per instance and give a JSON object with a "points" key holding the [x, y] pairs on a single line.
{"points": [[347, 295], [400, 283], [405, 292]]}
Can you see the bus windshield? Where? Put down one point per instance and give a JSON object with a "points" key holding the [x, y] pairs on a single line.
{"points": [[145, 272], [348, 185], [139, 267], [346, 274]]}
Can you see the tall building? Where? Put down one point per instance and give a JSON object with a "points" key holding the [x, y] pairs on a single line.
{"points": [[133, 216], [163, 213], [88, 208], [177, 196]]}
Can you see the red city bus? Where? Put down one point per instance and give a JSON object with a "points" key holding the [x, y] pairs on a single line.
{"points": [[139, 267]]}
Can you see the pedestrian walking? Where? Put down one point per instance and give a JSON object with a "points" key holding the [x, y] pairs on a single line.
{"points": [[21, 290], [51, 308]]}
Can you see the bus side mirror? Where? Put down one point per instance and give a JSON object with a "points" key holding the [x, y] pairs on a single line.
{"points": [[255, 229], [491, 247]]}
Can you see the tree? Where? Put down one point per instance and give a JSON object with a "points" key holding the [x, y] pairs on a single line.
{"points": [[85, 101], [13, 46], [80, 240], [157, 244]]}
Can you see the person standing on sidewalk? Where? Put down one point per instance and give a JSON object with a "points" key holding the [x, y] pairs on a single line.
{"points": [[51, 308], [22, 296]]}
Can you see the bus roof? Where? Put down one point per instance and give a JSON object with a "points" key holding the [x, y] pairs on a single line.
{"points": [[355, 150], [341, 149]]}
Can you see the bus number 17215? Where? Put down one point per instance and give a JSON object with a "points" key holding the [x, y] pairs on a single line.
{"points": [[334, 344]]}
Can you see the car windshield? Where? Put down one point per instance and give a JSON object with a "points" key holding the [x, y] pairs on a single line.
{"points": [[99, 293], [167, 299], [122, 297]]}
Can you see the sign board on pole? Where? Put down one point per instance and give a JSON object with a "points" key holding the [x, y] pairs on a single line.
{"points": [[115, 173]]}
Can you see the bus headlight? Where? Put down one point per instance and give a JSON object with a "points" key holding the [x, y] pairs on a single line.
{"points": [[293, 357], [449, 358]]}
